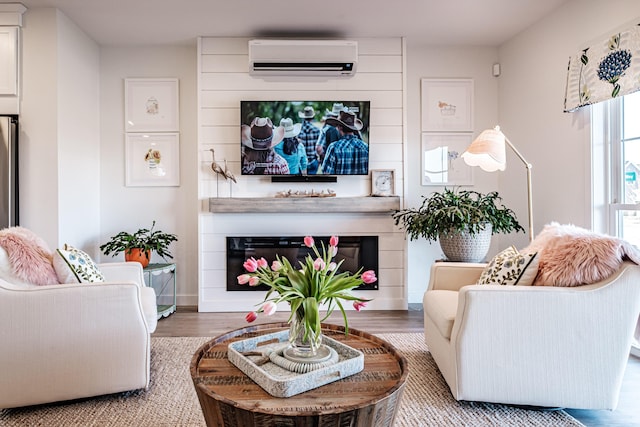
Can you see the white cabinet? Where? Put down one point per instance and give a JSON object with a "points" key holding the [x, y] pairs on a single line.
{"points": [[8, 60]]}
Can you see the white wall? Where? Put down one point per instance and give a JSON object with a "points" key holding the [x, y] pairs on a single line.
{"points": [[72, 143], [224, 82], [124, 208], [78, 66], [444, 62], [38, 164], [59, 138], [531, 97]]}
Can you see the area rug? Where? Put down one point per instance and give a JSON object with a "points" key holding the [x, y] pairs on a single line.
{"points": [[171, 399]]}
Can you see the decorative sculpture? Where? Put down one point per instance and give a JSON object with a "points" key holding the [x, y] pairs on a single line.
{"points": [[219, 171]]}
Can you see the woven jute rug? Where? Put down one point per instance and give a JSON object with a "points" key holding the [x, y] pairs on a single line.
{"points": [[171, 399]]}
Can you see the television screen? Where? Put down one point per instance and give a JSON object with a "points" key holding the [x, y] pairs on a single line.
{"points": [[304, 137]]}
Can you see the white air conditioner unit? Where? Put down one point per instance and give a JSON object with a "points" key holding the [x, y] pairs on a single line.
{"points": [[329, 58]]}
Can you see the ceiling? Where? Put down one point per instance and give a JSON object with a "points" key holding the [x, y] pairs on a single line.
{"points": [[171, 22]]}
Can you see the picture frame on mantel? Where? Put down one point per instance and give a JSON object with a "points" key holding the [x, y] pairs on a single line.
{"points": [[383, 182], [152, 159], [447, 105], [151, 105]]}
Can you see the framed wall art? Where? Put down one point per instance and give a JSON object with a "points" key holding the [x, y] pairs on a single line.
{"points": [[383, 182], [152, 159], [151, 105], [442, 163], [447, 105]]}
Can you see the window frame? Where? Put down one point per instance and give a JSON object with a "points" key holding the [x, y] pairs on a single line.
{"points": [[607, 167], [607, 177]]}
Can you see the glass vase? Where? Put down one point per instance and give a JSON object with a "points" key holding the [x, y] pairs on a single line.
{"points": [[305, 341]]}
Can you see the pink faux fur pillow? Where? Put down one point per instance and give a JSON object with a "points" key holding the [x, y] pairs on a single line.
{"points": [[573, 256], [29, 256]]}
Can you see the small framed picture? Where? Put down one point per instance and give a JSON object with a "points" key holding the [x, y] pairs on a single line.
{"points": [[442, 163], [383, 182], [447, 105], [151, 105], [152, 159]]}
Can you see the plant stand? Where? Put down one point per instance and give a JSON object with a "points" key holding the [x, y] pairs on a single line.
{"points": [[162, 278]]}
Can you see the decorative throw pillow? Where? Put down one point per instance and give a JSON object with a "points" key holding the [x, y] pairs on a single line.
{"points": [[6, 272], [574, 256], [28, 256], [510, 267], [75, 266]]}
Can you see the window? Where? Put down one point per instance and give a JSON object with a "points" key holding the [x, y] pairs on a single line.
{"points": [[628, 175], [615, 169], [616, 166]]}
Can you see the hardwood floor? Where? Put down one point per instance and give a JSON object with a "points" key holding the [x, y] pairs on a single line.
{"points": [[187, 322]]}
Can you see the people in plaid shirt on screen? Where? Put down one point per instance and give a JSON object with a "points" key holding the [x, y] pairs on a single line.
{"points": [[348, 155], [291, 149], [309, 136], [328, 133], [258, 140]]}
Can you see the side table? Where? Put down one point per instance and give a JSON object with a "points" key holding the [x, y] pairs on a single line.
{"points": [[229, 398], [162, 278]]}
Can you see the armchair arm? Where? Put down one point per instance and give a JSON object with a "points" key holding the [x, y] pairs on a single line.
{"points": [[122, 272], [452, 276], [71, 309]]}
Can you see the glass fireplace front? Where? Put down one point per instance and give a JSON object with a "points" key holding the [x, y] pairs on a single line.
{"points": [[356, 251]]}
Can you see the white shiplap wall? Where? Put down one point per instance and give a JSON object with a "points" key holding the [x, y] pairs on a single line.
{"points": [[224, 81]]}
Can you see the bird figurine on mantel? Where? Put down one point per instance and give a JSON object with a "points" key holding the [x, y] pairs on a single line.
{"points": [[228, 174], [215, 166]]}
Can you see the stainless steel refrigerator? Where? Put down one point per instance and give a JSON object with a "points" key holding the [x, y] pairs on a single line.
{"points": [[8, 170]]}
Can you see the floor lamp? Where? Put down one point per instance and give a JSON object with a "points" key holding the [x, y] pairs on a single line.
{"points": [[488, 151]]}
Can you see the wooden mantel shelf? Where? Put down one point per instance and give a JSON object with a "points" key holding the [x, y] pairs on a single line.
{"points": [[304, 204]]}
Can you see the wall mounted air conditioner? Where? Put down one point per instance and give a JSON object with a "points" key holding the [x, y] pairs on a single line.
{"points": [[329, 58]]}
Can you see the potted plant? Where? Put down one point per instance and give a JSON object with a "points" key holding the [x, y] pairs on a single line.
{"points": [[463, 222], [306, 286], [139, 245]]}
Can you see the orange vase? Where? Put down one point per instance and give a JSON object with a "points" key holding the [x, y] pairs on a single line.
{"points": [[137, 255]]}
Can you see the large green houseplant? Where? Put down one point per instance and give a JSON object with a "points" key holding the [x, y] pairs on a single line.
{"points": [[139, 245], [462, 217]]}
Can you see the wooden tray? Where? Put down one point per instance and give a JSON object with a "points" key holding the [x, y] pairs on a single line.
{"points": [[280, 382]]}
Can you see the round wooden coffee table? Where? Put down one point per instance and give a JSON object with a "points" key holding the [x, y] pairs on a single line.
{"points": [[230, 398]]}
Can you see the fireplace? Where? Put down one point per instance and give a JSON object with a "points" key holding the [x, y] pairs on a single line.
{"points": [[356, 251]]}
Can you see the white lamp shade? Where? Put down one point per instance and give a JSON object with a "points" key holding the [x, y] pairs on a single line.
{"points": [[487, 151]]}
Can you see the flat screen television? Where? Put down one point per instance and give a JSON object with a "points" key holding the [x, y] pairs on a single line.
{"points": [[295, 139]]}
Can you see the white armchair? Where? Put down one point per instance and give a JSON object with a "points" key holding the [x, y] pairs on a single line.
{"points": [[63, 342], [531, 345]]}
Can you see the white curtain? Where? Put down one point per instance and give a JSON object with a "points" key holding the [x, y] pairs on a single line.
{"points": [[604, 71]]}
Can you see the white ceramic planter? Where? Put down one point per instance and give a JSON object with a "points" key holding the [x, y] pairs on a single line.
{"points": [[464, 247]]}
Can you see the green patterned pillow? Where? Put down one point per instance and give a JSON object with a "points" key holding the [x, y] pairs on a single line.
{"points": [[510, 267], [75, 266]]}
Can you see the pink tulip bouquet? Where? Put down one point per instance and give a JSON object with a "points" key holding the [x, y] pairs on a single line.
{"points": [[312, 283]]}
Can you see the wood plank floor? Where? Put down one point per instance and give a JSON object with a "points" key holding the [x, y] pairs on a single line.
{"points": [[187, 322]]}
